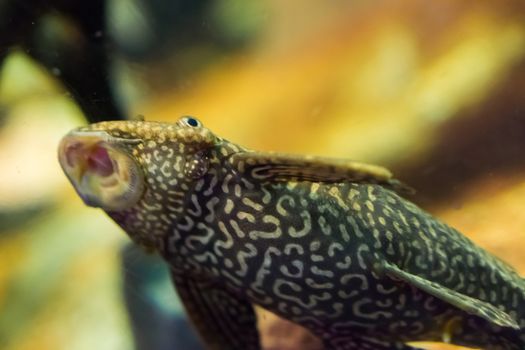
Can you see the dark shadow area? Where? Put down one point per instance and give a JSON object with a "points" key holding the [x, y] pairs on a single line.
{"points": [[70, 40], [147, 286], [488, 140], [73, 41]]}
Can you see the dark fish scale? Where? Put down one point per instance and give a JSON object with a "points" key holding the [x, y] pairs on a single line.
{"points": [[324, 243]]}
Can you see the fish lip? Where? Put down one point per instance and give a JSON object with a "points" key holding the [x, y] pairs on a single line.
{"points": [[89, 200], [76, 170], [104, 136], [87, 137], [74, 151]]}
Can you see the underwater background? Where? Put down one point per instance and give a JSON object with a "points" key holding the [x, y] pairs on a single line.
{"points": [[434, 90]]}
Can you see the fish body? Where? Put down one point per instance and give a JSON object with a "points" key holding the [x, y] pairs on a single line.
{"points": [[325, 243]]}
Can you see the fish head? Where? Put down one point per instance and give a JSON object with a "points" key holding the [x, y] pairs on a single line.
{"points": [[135, 170]]}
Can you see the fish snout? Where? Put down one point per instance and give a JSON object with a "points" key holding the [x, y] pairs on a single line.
{"points": [[103, 174]]}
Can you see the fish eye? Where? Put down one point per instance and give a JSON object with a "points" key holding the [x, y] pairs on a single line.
{"points": [[190, 121]]}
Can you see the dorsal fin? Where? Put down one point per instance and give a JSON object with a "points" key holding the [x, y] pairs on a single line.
{"points": [[279, 167], [137, 117]]}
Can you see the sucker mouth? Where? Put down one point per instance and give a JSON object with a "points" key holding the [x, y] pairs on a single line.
{"points": [[103, 174], [80, 153], [100, 162]]}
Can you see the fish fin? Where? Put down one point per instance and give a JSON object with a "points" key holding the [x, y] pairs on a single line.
{"points": [[463, 302], [353, 342], [222, 319], [268, 166]]}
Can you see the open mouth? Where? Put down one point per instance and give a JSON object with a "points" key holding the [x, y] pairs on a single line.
{"points": [[103, 174]]}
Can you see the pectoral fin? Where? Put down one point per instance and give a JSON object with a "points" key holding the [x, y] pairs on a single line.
{"points": [[461, 301], [285, 167], [224, 320]]}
